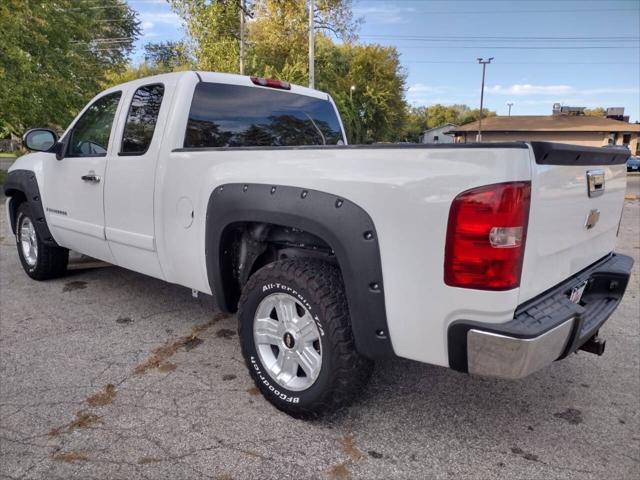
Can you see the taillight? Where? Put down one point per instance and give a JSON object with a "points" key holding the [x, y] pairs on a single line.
{"points": [[268, 82], [486, 235]]}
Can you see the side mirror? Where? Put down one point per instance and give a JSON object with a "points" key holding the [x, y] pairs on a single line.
{"points": [[39, 139]]}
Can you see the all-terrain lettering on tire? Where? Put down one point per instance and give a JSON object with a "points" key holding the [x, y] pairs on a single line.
{"points": [[263, 379], [297, 340]]}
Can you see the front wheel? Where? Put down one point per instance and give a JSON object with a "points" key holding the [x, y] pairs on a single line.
{"points": [[40, 261], [296, 338]]}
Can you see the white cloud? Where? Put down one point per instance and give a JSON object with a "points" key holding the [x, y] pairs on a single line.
{"points": [[147, 25], [609, 90], [421, 88], [421, 93], [527, 89], [389, 15], [169, 18]]}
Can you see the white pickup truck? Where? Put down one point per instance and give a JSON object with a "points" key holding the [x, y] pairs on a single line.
{"points": [[494, 259]]}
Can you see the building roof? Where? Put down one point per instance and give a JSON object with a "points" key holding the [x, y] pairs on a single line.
{"points": [[440, 127], [548, 123]]}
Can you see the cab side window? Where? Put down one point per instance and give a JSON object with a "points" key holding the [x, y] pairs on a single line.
{"points": [[141, 120], [90, 135]]}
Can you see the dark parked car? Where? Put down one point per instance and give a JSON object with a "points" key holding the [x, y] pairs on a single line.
{"points": [[633, 164]]}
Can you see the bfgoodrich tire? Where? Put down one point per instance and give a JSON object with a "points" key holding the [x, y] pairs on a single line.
{"points": [[40, 261], [296, 338]]}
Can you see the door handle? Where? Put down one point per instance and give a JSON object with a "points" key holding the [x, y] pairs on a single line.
{"points": [[91, 177]]}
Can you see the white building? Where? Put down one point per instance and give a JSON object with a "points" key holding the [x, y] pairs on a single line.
{"points": [[438, 134]]}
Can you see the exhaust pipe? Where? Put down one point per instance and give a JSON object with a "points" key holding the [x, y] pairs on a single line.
{"points": [[594, 345]]}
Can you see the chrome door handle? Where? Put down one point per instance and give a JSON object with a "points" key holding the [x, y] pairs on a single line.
{"points": [[91, 177]]}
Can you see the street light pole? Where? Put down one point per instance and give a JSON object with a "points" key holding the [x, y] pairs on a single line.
{"points": [[312, 53], [351, 90], [484, 63], [510, 104]]}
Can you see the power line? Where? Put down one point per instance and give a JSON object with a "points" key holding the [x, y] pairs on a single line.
{"points": [[484, 37], [471, 39], [463, 62], [518, 47], [493, 12], [469, 1]]}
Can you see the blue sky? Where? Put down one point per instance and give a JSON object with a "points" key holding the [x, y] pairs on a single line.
{"points": [[576, 52]]}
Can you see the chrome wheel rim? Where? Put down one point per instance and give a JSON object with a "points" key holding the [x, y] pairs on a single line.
{"points": [[28, 241], [288, 341]]}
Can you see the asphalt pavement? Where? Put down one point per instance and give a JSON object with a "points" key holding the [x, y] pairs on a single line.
{"points": [[110, 374]]}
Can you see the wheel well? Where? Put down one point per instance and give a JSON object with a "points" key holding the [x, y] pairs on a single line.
{"points": [[17, 197], [250, 224], [246, 247]]}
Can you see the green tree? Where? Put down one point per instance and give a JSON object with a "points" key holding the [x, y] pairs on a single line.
{"points": [[595, 112], [416, 122], [279, 33], [423, 118], [276, 36], [132, 72], [159, 58], [168, 55], [214, 30], [471, 115], [374, 110], [277, 47], [54, 56]]}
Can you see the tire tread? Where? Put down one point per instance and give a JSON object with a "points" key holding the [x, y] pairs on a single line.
{"points": [[52, 261], [351, 370]]}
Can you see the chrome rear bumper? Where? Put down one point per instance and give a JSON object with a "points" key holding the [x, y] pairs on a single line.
{"points": [[544, 329], [495, 355]]}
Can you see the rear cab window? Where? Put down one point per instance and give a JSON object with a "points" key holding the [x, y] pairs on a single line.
{"points": [[141, 119], [225, 115]]}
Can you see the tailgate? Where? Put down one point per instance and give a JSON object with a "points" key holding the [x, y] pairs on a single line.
{"points": [[571, 225]]}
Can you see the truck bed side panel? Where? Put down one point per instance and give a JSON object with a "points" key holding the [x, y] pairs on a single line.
{"points": [[406, 191]]}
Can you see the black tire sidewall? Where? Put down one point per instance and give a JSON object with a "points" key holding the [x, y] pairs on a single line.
{"points": [[24, 210], [267, 285]]}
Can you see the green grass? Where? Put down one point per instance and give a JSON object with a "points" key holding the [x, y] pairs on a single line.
{"points": [[3, 176], [7, 155]]}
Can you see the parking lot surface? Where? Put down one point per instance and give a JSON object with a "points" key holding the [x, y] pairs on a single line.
{"points": [[110, 374]]}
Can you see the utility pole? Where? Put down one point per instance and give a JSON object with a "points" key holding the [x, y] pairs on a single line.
{"points": [[242, 9], [484, 63], [312, 49], [510, 104]]}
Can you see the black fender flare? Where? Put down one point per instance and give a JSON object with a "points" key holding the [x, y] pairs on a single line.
{"points": [[344, 226], [24, 182]]}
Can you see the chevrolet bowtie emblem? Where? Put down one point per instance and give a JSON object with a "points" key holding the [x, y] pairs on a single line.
{"points": [[592, 218]]}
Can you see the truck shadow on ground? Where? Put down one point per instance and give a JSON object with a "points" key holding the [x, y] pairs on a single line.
{"points": [[397, 383]]}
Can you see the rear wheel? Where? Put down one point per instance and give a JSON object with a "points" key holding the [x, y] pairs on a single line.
{"points": [[40, 261], [296, 338]]}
